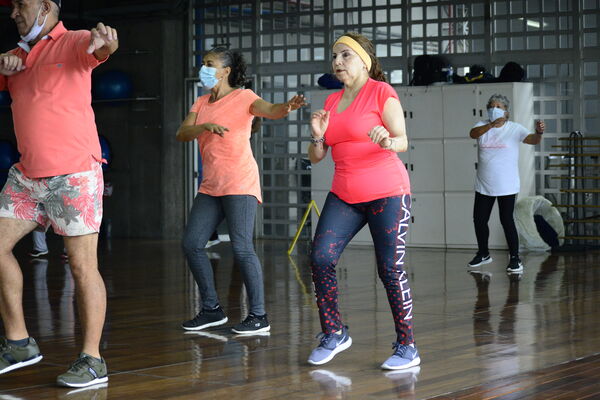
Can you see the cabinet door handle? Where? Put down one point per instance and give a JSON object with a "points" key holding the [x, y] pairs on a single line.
{"points": [[475, 165], [406, 165], [404, 113], [411, 114], [474, 112], [412, 219], [481, 113], [411, 167]]}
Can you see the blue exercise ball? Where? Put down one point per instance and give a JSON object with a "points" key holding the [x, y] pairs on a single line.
{"points": [[8, 155], [112, 85], [106, 151], [5, 99]]}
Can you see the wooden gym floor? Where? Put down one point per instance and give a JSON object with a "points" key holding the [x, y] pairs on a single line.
{"points": [[481, 336]]}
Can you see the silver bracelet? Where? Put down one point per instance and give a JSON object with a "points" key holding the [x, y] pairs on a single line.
{"points": [[317, 141]]}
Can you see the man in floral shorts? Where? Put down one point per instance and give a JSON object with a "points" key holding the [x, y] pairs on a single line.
{"points": [[58, 180]]}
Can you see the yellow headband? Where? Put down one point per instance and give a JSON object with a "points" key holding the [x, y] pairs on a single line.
{"points": [[354, 45]]}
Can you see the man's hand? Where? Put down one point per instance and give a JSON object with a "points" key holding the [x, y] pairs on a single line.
{"points": [[10, 64], [104, 41]]}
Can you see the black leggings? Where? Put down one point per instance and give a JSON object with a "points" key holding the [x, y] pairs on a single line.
{"points": [[388, 222], [481, 215]]}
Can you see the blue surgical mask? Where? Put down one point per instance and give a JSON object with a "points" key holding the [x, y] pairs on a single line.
{"points": [[494, 113], [36, 29], [207, 77]]}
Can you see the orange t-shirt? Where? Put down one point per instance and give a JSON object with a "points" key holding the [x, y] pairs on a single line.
{"points": [[228, 165], [51, 105], [363, 170]]}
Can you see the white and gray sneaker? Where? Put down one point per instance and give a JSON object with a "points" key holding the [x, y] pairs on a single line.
{"points": [[405, 356], [330, 345]]}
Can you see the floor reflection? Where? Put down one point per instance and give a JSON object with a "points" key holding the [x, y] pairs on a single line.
{"points": [[96, 392], [404, 382], [508, 315], [334, 386], [53, 322], [471, 330], [483, 332], [548, 268], [10, 397], [499, 345]]}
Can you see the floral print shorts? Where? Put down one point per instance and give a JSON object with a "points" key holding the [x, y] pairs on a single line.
{"points": [[71, 204]]}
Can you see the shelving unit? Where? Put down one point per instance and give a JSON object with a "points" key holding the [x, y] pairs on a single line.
{"points": [[581, 186]]}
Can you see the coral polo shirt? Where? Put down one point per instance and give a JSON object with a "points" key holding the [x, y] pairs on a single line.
{"points": [[51, 105]]}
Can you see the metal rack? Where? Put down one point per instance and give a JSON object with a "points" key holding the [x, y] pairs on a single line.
{"points": [[581, 188]]}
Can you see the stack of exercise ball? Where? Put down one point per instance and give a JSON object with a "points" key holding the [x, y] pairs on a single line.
{"points": [[112, 85]]}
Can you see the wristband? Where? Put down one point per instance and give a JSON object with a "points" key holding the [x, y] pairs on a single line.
{"points": [[317, 141]]}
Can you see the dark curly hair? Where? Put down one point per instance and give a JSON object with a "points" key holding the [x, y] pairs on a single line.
{"points": [[376, 72], [235, 60]]}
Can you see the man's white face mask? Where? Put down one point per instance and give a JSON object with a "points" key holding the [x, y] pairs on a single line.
{"points": [[36, 29]]}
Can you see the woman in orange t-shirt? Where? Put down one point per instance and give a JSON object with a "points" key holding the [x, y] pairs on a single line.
{"points": [[363, 125], [221, 122]]}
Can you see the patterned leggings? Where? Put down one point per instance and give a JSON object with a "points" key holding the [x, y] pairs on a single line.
{"points": [[388, 223]]}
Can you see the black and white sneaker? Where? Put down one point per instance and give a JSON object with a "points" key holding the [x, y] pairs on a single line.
{"points": [[252, 324], [515, 266], [479, 260], [205, 319]]}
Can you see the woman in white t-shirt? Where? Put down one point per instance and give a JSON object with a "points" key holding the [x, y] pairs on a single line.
{"points": [[498, 142]]}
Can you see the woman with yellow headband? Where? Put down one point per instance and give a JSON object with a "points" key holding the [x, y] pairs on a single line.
{"points": [[363, 125]]}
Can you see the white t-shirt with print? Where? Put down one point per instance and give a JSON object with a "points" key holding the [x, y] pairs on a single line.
{"points": [[498, 159]]}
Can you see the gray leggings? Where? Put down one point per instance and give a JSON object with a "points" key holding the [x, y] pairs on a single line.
{"points": [[207, 213]]}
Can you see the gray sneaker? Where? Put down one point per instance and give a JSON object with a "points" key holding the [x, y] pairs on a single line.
{"points": [[85, 371], [14, 357], [405, 356], [331, 344]]}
